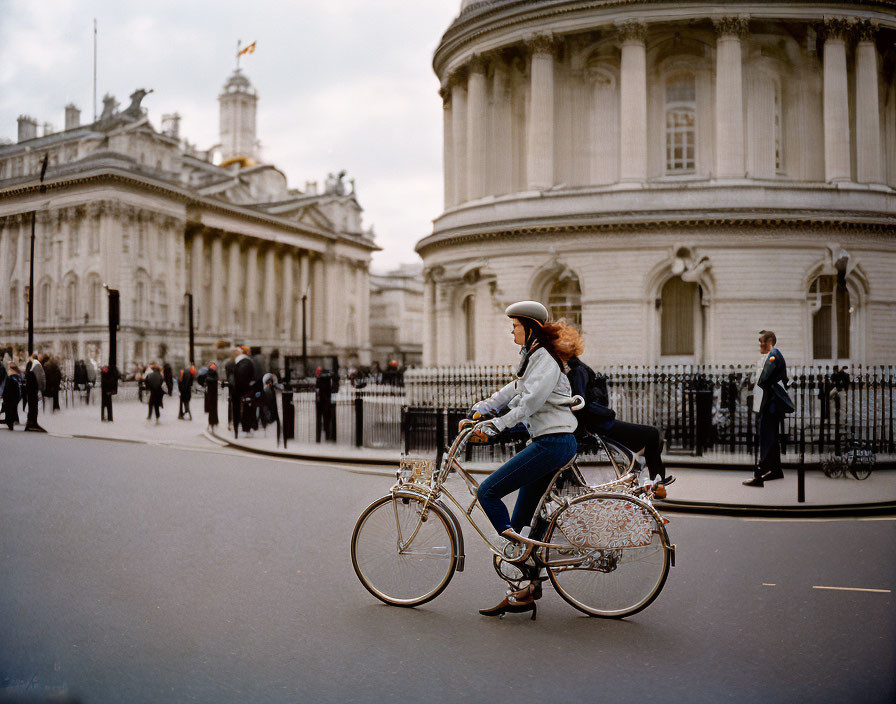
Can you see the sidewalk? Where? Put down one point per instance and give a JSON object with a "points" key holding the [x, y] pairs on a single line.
{"points": [[704, 489]]}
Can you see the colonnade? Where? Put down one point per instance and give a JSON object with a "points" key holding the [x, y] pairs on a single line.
{"points": [[480, 121], [254, 292]]}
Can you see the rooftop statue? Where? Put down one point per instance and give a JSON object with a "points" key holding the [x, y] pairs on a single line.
{"points": [[134, 109]]}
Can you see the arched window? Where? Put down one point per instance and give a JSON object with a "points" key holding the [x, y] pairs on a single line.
{"points": [[469, 309], [160, 304], [680, 111], [94, 300], [71, 299], [831, 317], [565, 299], [680, 301]]}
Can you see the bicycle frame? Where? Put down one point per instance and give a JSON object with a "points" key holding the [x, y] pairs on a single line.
{"points": [[427, 481]]}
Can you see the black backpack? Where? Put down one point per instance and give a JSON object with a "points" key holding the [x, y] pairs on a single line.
{"points": [[597, 411]]}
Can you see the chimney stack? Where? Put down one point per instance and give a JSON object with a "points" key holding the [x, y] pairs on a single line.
{"points": [[48, 128], [171, 125], [72, 116], [27, 127]]}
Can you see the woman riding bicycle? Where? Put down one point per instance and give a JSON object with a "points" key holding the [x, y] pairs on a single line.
{"points": [[538, 399]]}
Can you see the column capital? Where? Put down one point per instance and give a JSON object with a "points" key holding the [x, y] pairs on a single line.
{"points": [[478, 63], [457, 78], [834, 28], [540, 43], [631, 31], [865, 30], [731, 26]]}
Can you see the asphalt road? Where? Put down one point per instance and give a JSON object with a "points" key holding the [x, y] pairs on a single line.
{"points": [[136, 573]]}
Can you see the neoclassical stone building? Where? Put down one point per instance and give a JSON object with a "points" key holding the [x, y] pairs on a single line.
{"points": [[673, 177], [145, 212]]}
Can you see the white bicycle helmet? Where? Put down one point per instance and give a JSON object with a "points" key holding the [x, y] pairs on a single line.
{"points": [[531, 310]]}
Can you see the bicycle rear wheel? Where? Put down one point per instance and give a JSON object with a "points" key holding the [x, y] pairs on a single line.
{"points": [[400, 556], [618, 556]]}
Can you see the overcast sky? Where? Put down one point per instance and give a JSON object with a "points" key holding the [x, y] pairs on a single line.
{"points": [[342, 84]]}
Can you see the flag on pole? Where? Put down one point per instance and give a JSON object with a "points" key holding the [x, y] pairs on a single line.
{"points": [[250, 49]]}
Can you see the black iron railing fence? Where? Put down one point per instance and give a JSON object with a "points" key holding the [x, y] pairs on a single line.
{"points": [[702, 410]]}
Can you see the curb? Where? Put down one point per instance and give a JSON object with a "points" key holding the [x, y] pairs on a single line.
{"points": [[884, 508], [286, 454]]}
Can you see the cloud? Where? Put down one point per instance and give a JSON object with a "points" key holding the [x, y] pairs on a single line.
{"points": [[341, 83]]}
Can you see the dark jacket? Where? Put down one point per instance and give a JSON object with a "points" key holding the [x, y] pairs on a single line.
{"points": [[597, 414], [775, 399], [243, 375], [54, 377]]}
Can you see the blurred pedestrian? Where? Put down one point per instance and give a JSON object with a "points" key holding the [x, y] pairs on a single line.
{"points": [[153, 380], [12, 393], [243, 377], [54, 379], [185, 388], [35, 383], [211, 394], [168, 376], [269, 412], [108, 387], [771, 401]]}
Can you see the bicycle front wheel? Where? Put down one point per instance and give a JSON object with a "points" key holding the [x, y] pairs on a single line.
{"points": [[618, 556], [401, 555]]}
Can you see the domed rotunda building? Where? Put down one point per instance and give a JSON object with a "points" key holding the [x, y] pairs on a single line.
{"points": [[671, 176]]}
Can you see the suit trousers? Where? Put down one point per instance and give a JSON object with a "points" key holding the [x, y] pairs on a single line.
{"points": [[769, 445]]}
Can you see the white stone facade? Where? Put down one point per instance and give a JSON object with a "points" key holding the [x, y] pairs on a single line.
{"points": [[149, 215], [396, 316], [673, 177]]}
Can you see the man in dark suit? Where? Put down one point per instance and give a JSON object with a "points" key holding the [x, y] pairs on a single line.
{"points": [[243, 377], [771, 401]]}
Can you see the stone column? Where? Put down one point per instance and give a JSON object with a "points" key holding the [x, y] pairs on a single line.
{"points": [[729, 97], [447, 147], [270, 305], [250, 295], [233, 317], [633, 102], [836, 105], [198, 260], [540, 137], [287, 307], [429, 320], [365, 307], [477, 124], [304, 289], [502, 136], [319, 301], [459, 135], [868, 145], [215, 289]]}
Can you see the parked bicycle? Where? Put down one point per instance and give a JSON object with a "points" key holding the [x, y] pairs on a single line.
{"points": [[605, 547], [858, 460]]}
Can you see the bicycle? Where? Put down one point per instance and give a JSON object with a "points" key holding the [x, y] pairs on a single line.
{"points": [[858, 460], [605, 547]]}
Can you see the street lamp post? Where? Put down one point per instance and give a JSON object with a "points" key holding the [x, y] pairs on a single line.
{"points": [[304, 333], [189, 297], [43, 189]]}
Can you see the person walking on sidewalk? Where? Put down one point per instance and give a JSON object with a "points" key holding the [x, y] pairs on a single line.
{"points": [[156, 392], [12, 393], [54, 379], [168, 376], [185, 387], [35, 381], [771, 402], [108, 387], [211, 394]]}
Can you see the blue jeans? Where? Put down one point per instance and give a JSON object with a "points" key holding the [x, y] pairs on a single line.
{"points": [[530, 471]]}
